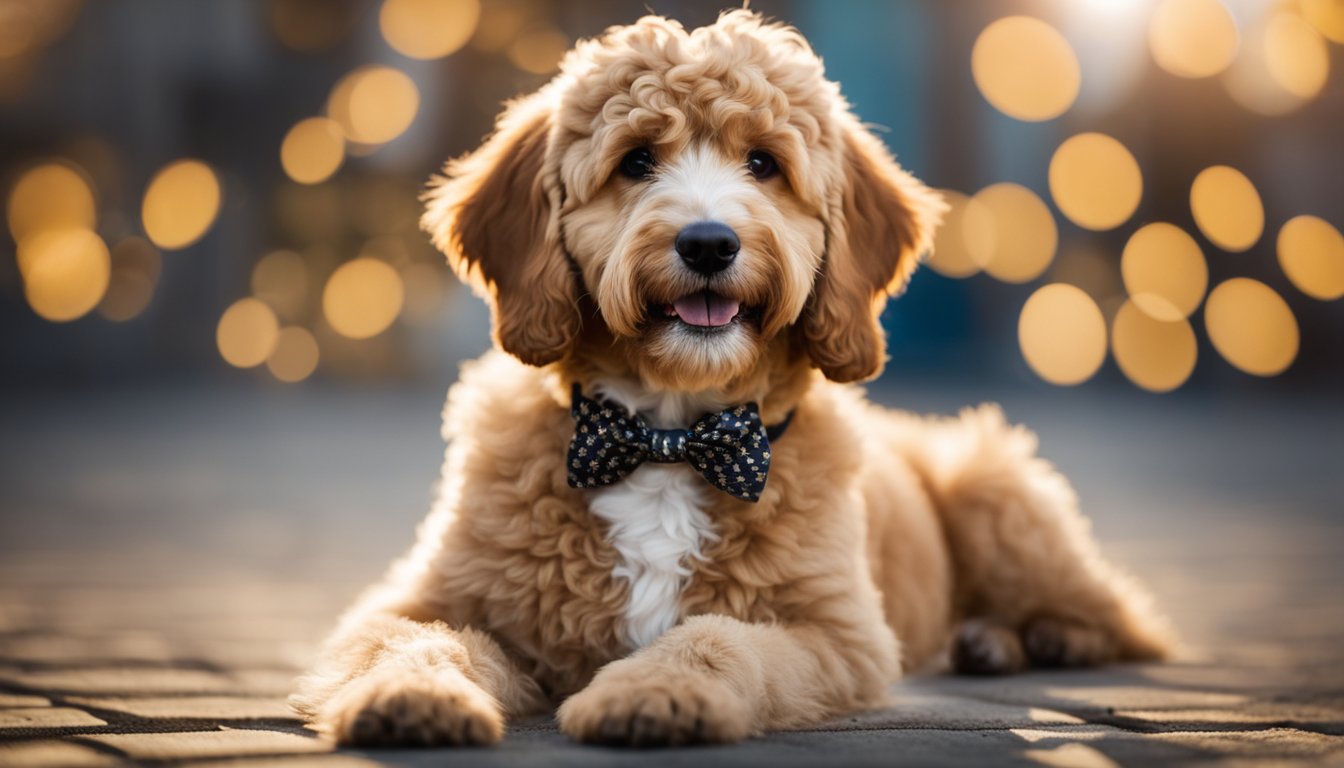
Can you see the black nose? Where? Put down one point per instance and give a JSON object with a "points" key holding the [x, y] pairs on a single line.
{"points": [[708, 246]]}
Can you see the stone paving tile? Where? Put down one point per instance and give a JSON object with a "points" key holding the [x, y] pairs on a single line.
{"points": [[1070, 756], [120, 681], [193, 707], [1313, 716], [912, 707], [265, 682], [226, 742], [1269, 743], [51, 647], [47, 717], [12, 700], [49, 753]]}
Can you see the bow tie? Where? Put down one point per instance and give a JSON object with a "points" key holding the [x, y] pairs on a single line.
{"points": [[731, 448]]}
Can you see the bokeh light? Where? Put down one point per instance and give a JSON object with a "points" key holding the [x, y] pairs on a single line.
{"points": [[1157, 355], [1164, 272], [1025, 68], [65, 272], [374, 104], [499, 25], [50, 196], [1311, 253], [538, 50], [247, 333], [1251, 326], [1296, 55], [362, 298], [1227, 208], [1095, 181], [1193, 38], [952, 252], [136, 265], [1327, 16], [28, 25], [1062, 334], [428, 29], [1024, 236], [180, 204], [295, 355], [1284, 65], [281, 280], [312, 150]]}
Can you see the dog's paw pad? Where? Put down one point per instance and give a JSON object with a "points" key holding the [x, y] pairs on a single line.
{"points": [[1053, 642], [405, 709], [656, 712], [987, 648]]}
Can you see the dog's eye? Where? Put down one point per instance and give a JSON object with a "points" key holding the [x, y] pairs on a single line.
{"points": [[762, 164], [638, 163]]}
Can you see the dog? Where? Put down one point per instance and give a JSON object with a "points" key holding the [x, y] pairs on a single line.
{"points": [[664, 506]]}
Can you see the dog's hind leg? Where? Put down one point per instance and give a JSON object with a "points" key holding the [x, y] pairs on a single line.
{"points": [[385, 679], [1030, 583]]}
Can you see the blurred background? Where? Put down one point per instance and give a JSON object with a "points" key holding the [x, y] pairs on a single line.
{"points": [[224, 335]]}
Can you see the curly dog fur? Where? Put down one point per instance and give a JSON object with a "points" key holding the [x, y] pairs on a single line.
{"points": [[660, 611]]}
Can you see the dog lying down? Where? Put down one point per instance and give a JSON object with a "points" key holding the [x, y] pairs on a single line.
{"points": [[663, 507]]}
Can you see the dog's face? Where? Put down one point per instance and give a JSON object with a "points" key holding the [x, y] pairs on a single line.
{"points": [[710, 192]]}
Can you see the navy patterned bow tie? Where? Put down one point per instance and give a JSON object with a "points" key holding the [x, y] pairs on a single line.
{"points": [[730, 448]]}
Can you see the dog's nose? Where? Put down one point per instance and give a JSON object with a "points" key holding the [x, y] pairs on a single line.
{"points": [[708, 246]]}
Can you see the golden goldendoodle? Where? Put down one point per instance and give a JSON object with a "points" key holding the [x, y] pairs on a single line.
{"points": [[663, 507]]}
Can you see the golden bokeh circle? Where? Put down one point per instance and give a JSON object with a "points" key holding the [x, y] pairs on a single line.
{"points": [[951, 254], [1025, 68], [1164, 271], [281, 280], [428, 29], [1193, 38], [295, 355], [373, 105], [180, 204], [1327, 16], [247, 333], [1227, 208], [1024, 236], [1157, 355], [362, 298], [50, 196], [539, 50], [312, 150], [136, 265], [1297, 57], [1062, 334], [1311, 253], [65, 272], [1095, 181], [1251, 326]]}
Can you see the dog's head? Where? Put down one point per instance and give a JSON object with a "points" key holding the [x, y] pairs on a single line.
{"points": [[709, 193]]}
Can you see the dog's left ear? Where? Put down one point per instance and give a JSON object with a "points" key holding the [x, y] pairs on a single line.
{"points": [[494, 214], [878, 227]]}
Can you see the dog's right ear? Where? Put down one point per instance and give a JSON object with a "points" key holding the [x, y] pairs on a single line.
{"points": [[494, 213]]}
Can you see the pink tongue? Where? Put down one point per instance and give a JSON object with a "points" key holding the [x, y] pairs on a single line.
{"points": [[705, 309]]}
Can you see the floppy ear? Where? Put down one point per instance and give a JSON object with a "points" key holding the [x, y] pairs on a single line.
{"points": [[878, 227], [494, 214]]}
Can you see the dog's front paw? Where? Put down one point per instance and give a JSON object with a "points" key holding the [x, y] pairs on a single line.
{"points": [[398, 707], [658, 708]]}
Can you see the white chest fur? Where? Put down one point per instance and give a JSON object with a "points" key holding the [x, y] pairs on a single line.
{"points": [[657, 518]]}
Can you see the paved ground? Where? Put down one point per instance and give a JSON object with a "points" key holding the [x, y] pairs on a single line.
{"points": [[169, 559]]}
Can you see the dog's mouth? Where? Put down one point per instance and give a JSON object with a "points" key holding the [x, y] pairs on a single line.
{"points": [[703, 310]]}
